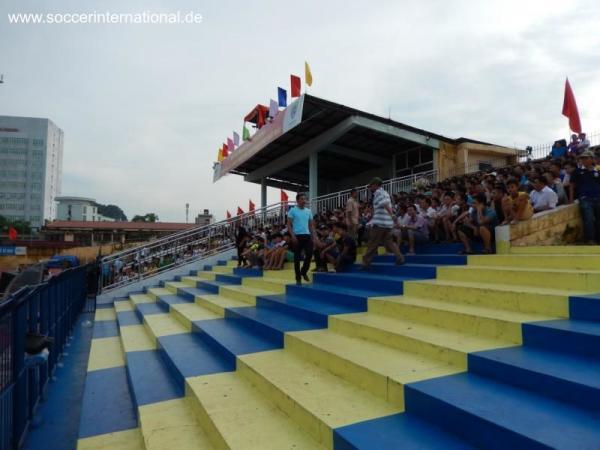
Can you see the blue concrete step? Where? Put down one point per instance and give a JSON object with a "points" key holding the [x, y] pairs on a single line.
{"points": [[144, 309], [398, 431], [579, 337], [212, 286], [247, 272], [570, 378], [189, 293], [585, 307], [383, 284], [433, 258], [494, 415], [308, 308], [270, 322], [165, 301], [150, 379], [405, 270], [187, 355], [232, 337], [230, 279], [442, 249], [333, 293]]}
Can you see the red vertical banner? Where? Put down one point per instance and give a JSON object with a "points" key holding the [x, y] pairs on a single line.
{"points": [[570, 109], [295, 85]]}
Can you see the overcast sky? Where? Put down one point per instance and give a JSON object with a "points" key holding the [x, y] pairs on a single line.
{"points": [[144, 107]]}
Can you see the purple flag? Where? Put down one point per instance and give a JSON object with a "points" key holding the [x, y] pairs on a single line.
{"points": [[273, 108], [236, 139]]}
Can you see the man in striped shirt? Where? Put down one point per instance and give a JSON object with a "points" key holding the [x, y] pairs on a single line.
{"points": [[382, 225]]}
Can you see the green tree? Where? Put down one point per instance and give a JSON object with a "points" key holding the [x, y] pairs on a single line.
{"points": [[148, 217], [112, 211], [22, 226]]}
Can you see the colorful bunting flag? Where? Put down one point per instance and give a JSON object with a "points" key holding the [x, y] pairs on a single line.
{"points": [[240, 211], [282, 97], [236, 139], [225, 151], [220, 156], [12, 234], [295, 84], [230, 145], [245, 133], [251, 206], [307, 74], [283, 196], [228, 215], [273, 108]]}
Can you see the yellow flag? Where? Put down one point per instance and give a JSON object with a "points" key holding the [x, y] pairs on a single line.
{"points": [[307, 74], [220, 156]]}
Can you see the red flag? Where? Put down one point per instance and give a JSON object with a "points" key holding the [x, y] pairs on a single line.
{"points": [[261, 119], [283, 196], [570, 109], [228, 215], [295, 82], [240, 211], [12, 234], [251, 206], [225, 151]]}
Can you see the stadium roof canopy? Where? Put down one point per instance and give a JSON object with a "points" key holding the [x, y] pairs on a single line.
{"points": [[318, 142]]}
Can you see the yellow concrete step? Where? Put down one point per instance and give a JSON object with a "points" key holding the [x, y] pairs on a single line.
{"points": [[379, 368], [248, 294], [174, 285], [588, 280], [136, 338], [205, 275], [527, 299], [222, 269], [164, 325], [218, 303], [172, 425], [235, 415], [134, 299], [186, 313], [573, 262], [473, 319], [286, 274], [557, 250], [266, 282], [119, 440], [447, 345], [317, 400], [154, 293]]}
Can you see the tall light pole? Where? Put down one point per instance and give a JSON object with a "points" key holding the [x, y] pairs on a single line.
{"points": [[187, 212], [1, 78]]}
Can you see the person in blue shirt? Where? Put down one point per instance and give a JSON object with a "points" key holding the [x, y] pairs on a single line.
{"points": [[301, 229], [481, 224], [585, 186], [559, 149]]}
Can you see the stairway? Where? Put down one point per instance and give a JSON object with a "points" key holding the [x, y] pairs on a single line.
{"points": [[432, 354]]}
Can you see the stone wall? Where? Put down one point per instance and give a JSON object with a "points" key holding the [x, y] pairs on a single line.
{"points": [[560, 226]]}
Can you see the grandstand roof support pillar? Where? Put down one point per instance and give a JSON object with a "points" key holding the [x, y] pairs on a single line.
{"points": [[263, 192], [313, 175]]}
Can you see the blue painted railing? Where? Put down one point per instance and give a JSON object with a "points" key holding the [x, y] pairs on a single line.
{"points": [[50, 309]]}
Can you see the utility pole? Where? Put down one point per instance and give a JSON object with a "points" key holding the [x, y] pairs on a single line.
{"points": [[187, 212]]}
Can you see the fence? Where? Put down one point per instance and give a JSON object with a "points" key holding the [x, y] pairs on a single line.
{"points": [[126, 267], [49, 309], [393, 186], [543, 150]]}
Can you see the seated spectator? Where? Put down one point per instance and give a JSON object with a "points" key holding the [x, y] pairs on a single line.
{"points": [[542, 197], [413, 228], [275, 258], [346, 248], [323, 244], [556, 185], [573, 145], [584, 144], [500, 202], [585, 186], [480, 225], [519, 207], [558, 150]]}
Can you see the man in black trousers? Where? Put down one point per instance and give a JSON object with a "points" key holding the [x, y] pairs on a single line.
{"points": [[301, 229]]}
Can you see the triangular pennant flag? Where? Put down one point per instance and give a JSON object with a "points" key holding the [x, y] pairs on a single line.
{"points": [[251, 206], [245, 133], [570, 109], [307, 74], [225, 151], [283, 196], [228, 215], [236, 139], [230, 145], [273, 108], [282, 97], [220, 156], [240, 211], [295, 84]]}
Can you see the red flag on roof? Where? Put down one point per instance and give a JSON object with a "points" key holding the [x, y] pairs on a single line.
{"points": [[228, 215], [251, 206], [295, 84], [225, 151], [284, 197], [570, 109], [240, 211], [12, 234]]}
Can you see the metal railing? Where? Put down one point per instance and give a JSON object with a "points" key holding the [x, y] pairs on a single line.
{"points": [[161, 255], [393, 186], [48, 309], [543, 151]]}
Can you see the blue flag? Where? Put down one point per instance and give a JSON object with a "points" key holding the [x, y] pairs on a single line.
{"points": [[282, 97]]}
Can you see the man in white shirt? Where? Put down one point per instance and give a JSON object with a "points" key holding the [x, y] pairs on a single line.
{"points": [[542, 197]]}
